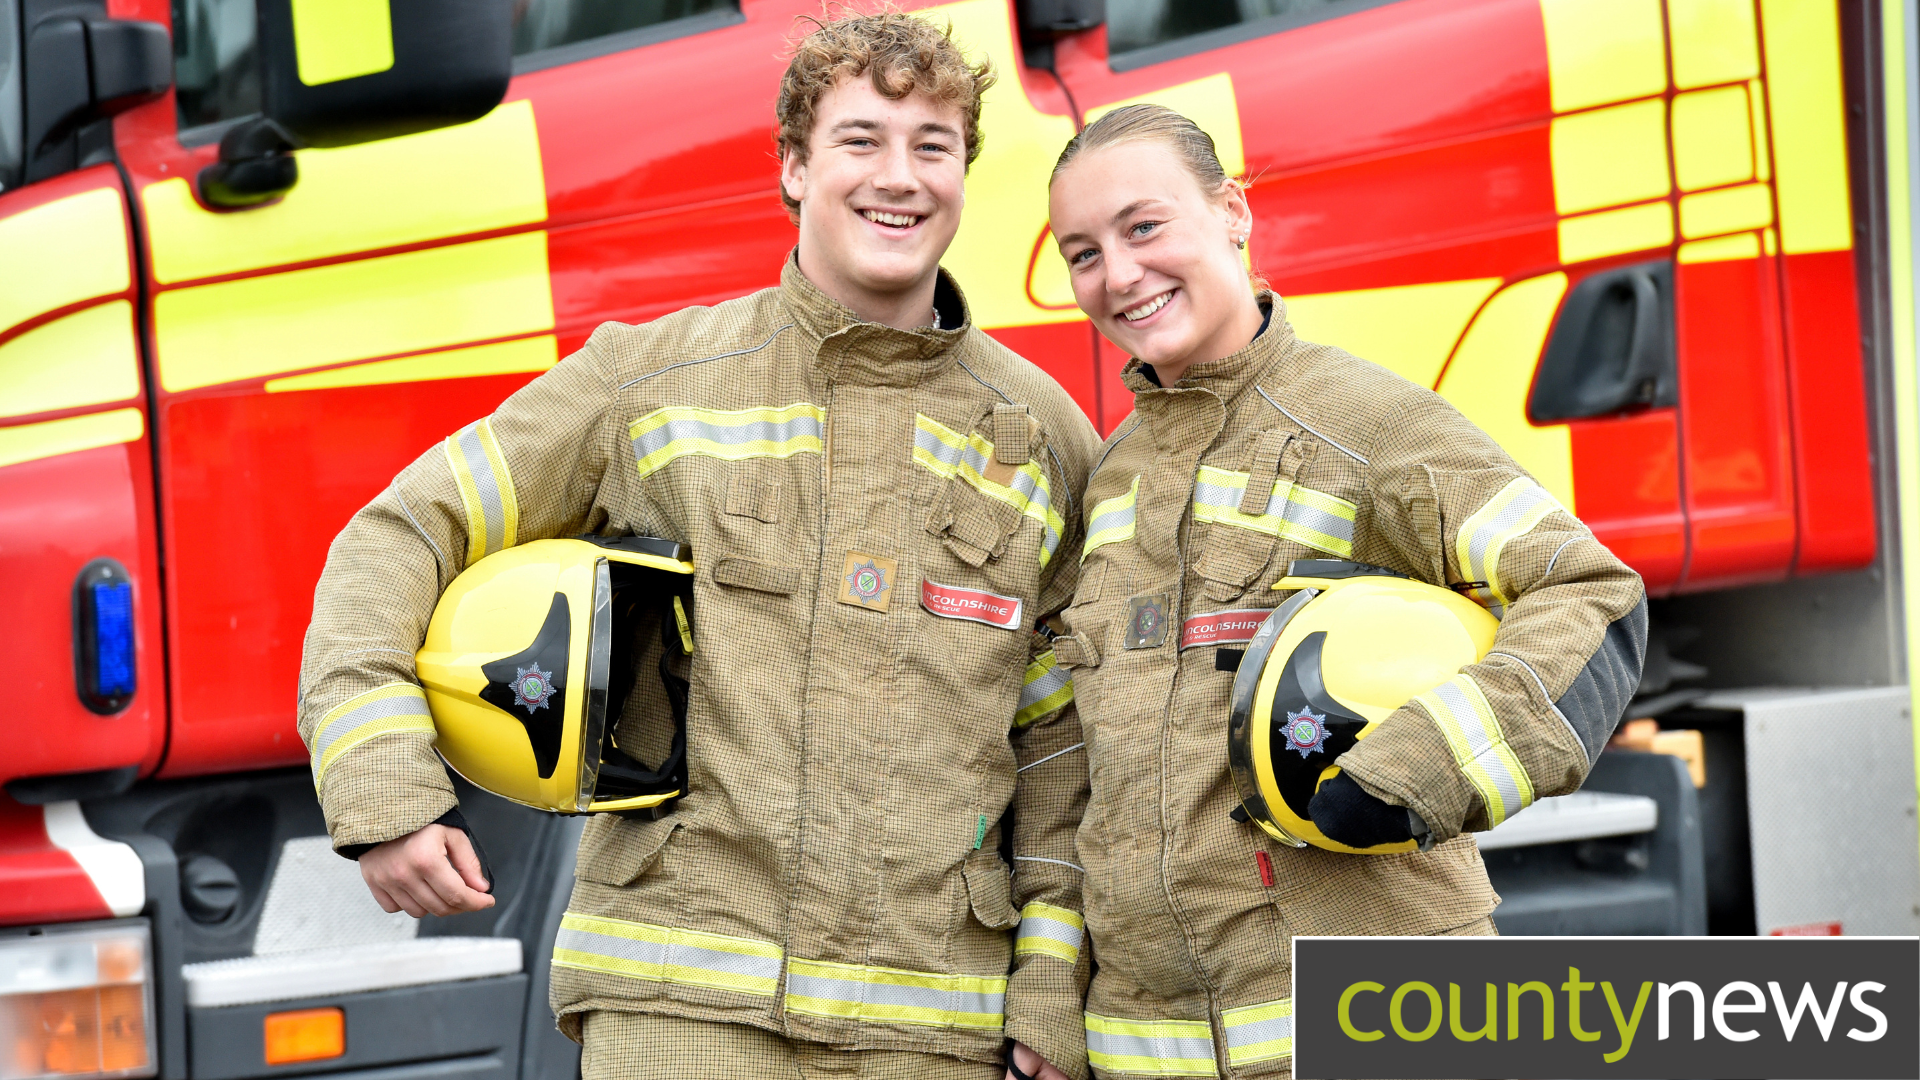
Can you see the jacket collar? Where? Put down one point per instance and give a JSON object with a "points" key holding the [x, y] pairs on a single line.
{"points": [[848, 349], [1230, 376]]}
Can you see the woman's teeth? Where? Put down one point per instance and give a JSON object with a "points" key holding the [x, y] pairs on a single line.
{"points": [[1148, 308], [881, 217]]}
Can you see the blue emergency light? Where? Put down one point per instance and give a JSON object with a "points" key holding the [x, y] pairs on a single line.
{"points": [[103, 637]]}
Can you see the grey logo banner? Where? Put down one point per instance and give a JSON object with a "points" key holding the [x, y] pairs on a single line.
{"points": [[1652, 1008]]}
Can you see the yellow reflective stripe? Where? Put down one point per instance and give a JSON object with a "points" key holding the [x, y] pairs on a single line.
{"points": [[891, 996], [30, 442], [522, 355], [1111, 521], [667, 954], [1479, 746], [1046, 930], [62, 252], [1293, 512], [1046, 689], [325, 315], [680, 623], [385, 710], [666, 435], [1259, 1032], [1513, 511], [341, 39], [461, 180], [946, 453], [1155, 1047], [87, 358], [486, 488]]}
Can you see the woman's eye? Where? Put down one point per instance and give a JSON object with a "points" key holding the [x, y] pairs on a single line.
{"points": [[1081, 256], [1143, 228]]}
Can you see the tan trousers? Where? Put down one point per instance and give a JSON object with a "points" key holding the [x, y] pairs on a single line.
{"points": [[641, 1046]]}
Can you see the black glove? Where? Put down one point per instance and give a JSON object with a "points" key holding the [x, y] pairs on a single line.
{"points": [[1345, 813]]}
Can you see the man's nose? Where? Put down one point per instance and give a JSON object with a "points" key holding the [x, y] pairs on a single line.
{"points": [[896, 173]]}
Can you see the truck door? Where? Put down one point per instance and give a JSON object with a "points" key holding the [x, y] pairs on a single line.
{"points": [[81, 605], [1597, 208]]}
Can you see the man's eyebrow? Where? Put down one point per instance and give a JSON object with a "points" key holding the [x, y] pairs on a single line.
{"points": [[932, 127], [856, 125]]}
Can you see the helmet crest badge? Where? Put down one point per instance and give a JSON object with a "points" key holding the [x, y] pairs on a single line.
{"points": [[1306, 732], [532, 687]]}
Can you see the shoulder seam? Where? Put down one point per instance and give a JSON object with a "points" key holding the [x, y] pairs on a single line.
{"points": [[1322, 436], [706, 359]]}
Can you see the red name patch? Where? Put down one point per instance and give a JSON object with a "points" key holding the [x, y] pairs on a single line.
{"points": [[972, 605], [1222, 627]]}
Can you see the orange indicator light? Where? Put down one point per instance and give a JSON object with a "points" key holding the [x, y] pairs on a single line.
{"points": [[305, 1035]]}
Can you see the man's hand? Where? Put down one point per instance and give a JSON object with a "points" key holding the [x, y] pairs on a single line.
{"points": [[1024, 1064], [430, 871], [1346, 813]]}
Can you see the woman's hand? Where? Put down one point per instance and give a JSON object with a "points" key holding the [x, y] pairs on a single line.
{"points": [[1024, 1064], [430, 871]]}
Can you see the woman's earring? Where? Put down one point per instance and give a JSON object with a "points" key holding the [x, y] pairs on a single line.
{"points": [[1240, 242]]}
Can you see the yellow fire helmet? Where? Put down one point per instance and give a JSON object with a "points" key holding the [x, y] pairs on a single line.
{"points": [[530, 656], [1353, 645]]}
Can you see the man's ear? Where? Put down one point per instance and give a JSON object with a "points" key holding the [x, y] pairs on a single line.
{"points": [[793, 176]]}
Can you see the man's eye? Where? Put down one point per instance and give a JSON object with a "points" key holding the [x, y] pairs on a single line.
{"points": [[935, 148]]}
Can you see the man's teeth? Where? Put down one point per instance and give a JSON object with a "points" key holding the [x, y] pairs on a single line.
{"points": [[1147, 308], [883, 218]]}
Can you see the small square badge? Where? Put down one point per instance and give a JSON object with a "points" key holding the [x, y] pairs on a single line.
{"points": [[866, 581], [1146, 622]]}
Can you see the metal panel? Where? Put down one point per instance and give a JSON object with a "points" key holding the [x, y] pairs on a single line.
{"points": [[1831, 805]]}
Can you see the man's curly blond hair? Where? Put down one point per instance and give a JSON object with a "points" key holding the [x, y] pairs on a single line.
{"points": [[901, 54]]}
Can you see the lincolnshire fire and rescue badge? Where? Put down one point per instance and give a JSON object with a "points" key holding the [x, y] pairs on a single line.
{"points": [[867, 581], [532, 687], [1146, 626], [1306, 732]]}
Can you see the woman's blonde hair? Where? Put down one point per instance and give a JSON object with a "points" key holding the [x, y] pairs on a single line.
{"points": [[1154, 124]]}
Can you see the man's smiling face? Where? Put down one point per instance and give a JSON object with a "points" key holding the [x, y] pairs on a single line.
{"points": [[880, 193]]}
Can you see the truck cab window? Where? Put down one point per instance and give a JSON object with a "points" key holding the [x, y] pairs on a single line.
{"points": [[215, 75], [545, 24], [10, 118], [1133, 25]]}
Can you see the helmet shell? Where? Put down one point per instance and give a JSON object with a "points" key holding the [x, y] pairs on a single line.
{"points": [[1327, 667]]}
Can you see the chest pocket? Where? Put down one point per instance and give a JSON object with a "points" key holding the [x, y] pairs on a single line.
{"points": [[996, 484], [1250, 511]]}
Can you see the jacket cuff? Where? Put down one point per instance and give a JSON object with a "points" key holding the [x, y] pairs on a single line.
{"points": [[1046, 999], [1407, 762], [386, 788]]}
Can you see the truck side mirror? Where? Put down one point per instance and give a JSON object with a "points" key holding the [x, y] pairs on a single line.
{"points": [[344, 72]]}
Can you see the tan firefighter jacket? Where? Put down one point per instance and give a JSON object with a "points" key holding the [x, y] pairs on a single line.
{"points": [[879, 518], [1288, 450]]}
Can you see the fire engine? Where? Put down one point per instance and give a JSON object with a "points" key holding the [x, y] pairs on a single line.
{"points": [[256, 255]]}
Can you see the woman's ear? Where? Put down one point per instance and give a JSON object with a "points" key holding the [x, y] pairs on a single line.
{"points": [[1232, 201]]}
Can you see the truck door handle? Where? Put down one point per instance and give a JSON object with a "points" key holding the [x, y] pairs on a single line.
{"points": [[1612, 348]]}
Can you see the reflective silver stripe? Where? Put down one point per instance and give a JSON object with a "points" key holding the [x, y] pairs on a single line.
{"points": [[1047, 688], [1154, 1047], [701, 427], [1479, 747], [383, 710], [1513, 511], [651, 953], [1049, 931], [485, 485], [885, 995], [658, 953], [1259, 1032], [948, 453]]}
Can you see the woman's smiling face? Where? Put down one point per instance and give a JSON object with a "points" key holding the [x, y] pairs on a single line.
{"points": [[1152, 257]]}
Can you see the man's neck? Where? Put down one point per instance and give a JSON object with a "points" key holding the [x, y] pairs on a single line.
{"points": [[909, 309]]}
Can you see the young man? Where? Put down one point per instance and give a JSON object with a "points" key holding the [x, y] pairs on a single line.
{"points": [[883, 504]]}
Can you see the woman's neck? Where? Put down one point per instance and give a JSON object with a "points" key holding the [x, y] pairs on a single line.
{"points": [[1233, 334]]}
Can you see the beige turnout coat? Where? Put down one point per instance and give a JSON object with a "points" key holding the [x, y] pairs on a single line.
{"points": [[1288, 450], [879, 519]]}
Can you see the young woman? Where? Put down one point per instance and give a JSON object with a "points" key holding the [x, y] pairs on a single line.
{"points": [[1190, 910]]}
